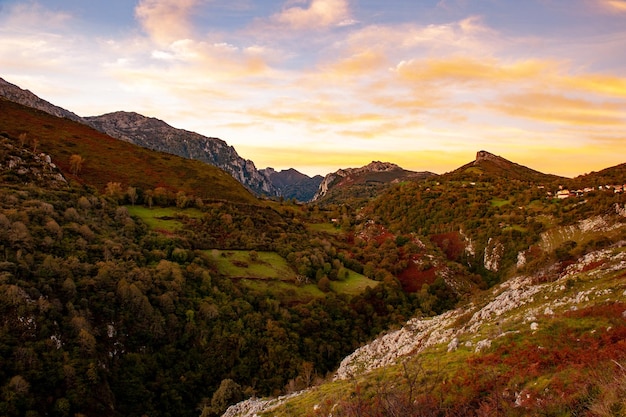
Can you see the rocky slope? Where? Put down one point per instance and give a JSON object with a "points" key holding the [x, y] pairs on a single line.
{"points": [[20, 165], [521, 307]]}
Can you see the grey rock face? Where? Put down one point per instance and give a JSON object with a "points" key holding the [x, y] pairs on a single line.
{"points": [[155, 134]]}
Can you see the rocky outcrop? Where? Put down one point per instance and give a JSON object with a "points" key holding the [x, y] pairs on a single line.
{"points": [[155, 134], [20, 165], [493, 255], [26, 98], [330, 179]]}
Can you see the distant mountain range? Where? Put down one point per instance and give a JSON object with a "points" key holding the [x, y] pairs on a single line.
{"points": [[155, 134], [352, 183]]}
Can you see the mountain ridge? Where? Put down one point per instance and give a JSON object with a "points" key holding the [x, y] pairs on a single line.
{"points": [[156, 134], [14, 93], [102, 156]]}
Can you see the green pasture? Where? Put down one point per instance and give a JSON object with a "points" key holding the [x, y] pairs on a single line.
{"points": [[498, 202], [163, 218], [324, 228], [354, 284], [243, 264]]}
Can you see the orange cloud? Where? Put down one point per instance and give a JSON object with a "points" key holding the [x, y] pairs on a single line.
{"points": [[618, 6], [317, 15], [363, 62], [469, 70], [554, 108], [598, 84]]}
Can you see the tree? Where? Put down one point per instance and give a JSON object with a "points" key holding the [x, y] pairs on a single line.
{"points": [[23, 138], [131, 192], [114, 189], [228, 393], [76, 164]]}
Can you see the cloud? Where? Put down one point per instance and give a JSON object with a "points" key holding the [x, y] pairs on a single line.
{"points": [[598, 84], [34, 15], [464, 69], [314, 14], [615, 6], [561, 109], [166, 21]]}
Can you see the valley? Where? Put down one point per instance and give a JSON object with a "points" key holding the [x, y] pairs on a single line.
{"points": [[137, 282]]}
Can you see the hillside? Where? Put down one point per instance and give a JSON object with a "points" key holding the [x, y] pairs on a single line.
{"points": [[544, 337], [157, 135], [107, 160], [535, 345]]}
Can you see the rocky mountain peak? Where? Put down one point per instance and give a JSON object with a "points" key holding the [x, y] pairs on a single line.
{"points": [[378, 166], [482, 156]]}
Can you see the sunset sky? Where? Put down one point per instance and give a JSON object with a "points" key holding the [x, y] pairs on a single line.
{"points": [[319, 85]]}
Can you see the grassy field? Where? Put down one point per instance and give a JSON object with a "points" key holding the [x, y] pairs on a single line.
{"points": [[498, 202], [162, 218], [244, 264], [324, 228], [353, 285], [268, 271]]}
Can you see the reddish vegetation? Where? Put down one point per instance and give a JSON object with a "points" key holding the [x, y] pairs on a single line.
{"points": [[451, 244], [562, 369], [413, 278]]}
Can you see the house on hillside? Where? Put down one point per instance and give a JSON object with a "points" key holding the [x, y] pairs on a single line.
{"points": [[562, 194]]}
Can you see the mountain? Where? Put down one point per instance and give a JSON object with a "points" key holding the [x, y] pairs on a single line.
{"points": [[26, 98], [155, 134], [365, 182], [490, 166], [107, 160], [293, 184]]}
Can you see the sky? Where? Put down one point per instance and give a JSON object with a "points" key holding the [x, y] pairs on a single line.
{"points": [[319, 85]]}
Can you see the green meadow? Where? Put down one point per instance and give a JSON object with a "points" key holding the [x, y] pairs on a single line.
{"points": [[163, 218]]}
